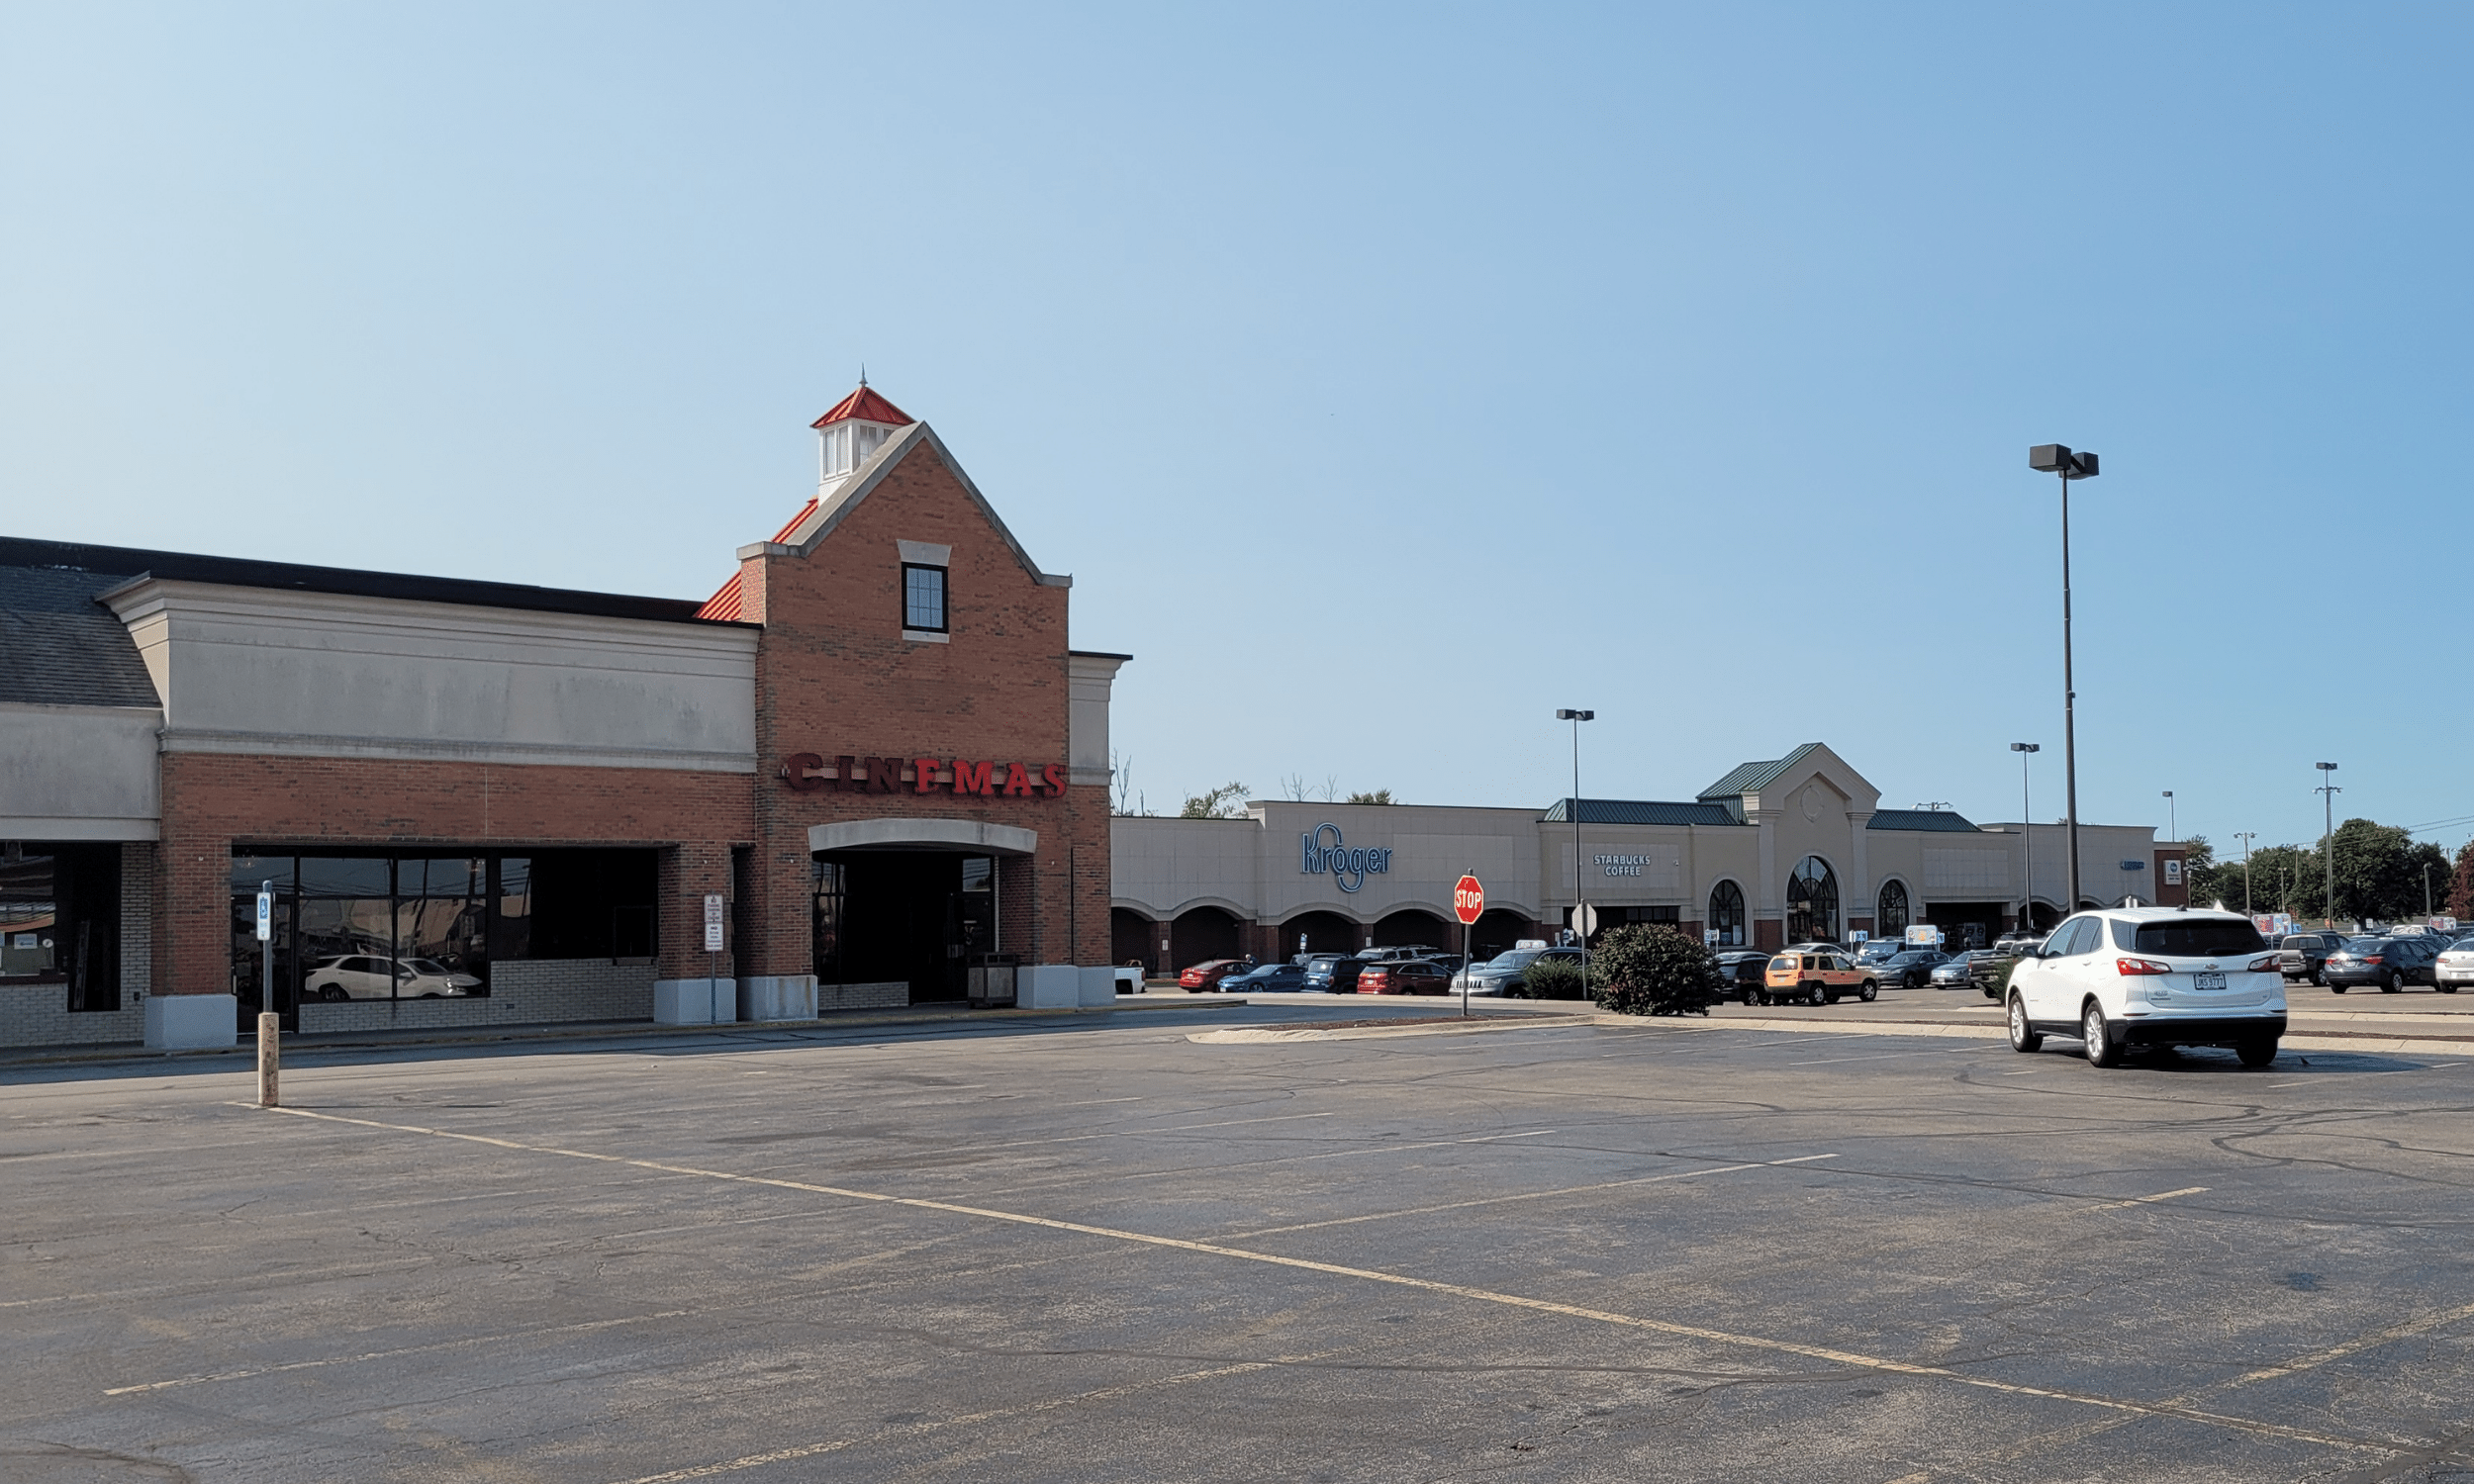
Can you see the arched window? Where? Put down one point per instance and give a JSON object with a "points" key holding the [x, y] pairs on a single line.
{"points": [[1726, 915], [1890, 921], [1813, 902]]}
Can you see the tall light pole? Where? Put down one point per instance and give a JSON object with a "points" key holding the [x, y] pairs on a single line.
{"points": [[2327, 792], [2056, 458], [2173, 823], [1580, 898], [2245, 836], [2027, 839]]}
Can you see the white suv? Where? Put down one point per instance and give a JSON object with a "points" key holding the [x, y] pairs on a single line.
{"points": [[2150, 976]]}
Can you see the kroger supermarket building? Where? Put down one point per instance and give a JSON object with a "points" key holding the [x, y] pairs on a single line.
{"points": [[870, 756], [1775, 852]]}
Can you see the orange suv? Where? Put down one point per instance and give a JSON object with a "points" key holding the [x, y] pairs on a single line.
{"points": [[1815, 979]]}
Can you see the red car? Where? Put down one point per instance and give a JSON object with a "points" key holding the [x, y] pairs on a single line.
{"points": [[1208, 973], [1409, 976]]}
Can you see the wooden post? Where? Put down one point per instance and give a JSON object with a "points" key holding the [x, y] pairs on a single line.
{"points": [[269, 1058]]}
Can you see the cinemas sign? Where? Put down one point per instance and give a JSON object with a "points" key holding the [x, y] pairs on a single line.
{"points": [[807, 772]]}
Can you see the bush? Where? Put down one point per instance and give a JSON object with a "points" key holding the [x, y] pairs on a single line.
{"points": [[1654, 970], [1553, 978], [2001, 979]]}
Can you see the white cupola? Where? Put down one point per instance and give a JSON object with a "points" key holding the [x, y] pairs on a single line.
{"points": [[856, 427]]}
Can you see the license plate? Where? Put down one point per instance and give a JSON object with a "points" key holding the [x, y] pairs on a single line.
{"points": [[2207, 980]]}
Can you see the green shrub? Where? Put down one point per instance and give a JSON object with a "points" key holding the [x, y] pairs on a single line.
{"points": [[1653, 971], [2001, 979], [1553, 978]]}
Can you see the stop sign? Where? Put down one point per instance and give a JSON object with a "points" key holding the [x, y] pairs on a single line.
{"points": [[1468, 899]]}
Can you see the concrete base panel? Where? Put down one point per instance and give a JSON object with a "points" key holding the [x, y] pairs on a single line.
{"points": [[1048, 986], [695, 1001], [1099, 986], [778, 996], [191, 1022], [39, 1015]]}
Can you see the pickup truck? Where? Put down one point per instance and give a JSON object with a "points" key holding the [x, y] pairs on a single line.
{"points": [[1989, 971], [2301, 956]]}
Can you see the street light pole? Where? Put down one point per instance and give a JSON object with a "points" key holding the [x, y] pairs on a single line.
{"points": [[1581, 899], [2056, 458], [2327, 792], [2173, 823], [2026, 840], [2245, 836]]}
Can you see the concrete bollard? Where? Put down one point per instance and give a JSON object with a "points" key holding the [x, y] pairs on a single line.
{"points": [[269, 1058]]}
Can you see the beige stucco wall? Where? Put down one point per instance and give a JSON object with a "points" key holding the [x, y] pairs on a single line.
{"points": [[79, 773]]}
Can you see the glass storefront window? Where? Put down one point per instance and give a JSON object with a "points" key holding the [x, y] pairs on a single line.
{"points": [[1726, 915], [1813, 902], [30, 916], [59, 919], [1890, 920]]}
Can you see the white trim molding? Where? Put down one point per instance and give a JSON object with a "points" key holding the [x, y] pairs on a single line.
{"points": [[933, 834]]}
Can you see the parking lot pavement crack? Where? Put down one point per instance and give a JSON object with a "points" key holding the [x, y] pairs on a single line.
{"points": [[1640, 1322]]}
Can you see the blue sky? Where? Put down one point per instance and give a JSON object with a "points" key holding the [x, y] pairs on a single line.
{"points": [[1386, 377]]}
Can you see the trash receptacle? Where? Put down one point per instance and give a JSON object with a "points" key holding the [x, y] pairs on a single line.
{"points": [[992, 981]]}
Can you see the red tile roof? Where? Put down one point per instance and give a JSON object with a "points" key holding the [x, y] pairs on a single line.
{"points": [[864, 406]]}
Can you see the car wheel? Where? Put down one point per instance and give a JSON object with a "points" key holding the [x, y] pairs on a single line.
{"points": [[1871, 991], [2392, 983], [2336, 988], [1814, 994], [2256, 1054], [2102, 1048], [2320, 979], [2022, 1036], [332, 993], [2445, 988]]}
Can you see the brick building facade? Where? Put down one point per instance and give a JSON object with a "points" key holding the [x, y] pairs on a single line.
{"points": [[485, 804]]}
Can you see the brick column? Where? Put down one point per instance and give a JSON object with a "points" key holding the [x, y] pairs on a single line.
{"points": [[686, 871]]}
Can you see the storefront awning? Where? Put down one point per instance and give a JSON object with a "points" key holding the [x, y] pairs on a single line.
{"points": [[922, 834]]}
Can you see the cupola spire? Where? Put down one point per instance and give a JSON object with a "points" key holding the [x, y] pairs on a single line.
{"points": [[855, 427]]}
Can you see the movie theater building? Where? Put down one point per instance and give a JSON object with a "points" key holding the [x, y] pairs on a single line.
{"points": [[1777, 852], [868, 765]]}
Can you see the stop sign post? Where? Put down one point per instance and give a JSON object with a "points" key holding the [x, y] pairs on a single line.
{"points": [[1468, 902]]}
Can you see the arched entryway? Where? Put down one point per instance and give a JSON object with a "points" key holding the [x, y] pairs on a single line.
{"points": [[1496, 931], [1813, 902], [1891, 913], [1324, 933], [1726, 915], [1133, 939], [1411, 927], [1200, 936]]}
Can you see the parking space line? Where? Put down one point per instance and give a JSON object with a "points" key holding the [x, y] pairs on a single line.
{"points": [[1532, 1195], [2142, 1200], [410, 1350], [1929, 1051], [1642, 1323]]}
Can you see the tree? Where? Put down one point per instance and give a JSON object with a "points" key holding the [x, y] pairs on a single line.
{"points": [[2206, 881], [1378, 797], [2462, 884], [1652, 970], [1228, 802]]}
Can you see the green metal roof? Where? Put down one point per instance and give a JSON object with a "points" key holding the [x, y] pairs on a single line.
{"points": [[1642, 811], [1752, 777]]}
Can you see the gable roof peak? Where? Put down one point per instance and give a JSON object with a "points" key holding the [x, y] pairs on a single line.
{"points": [[866, 405]]}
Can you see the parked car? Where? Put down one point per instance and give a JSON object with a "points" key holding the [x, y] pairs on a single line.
{"points": [[2455, 967], [1334, 975], [1953, 971], [2390, 962], [1398, 951], [465, 984], [2130, 977], [1504, 973], [1740, 974], [1266, 979], [1878, 950], [1909, 969], [2011, 944], [2300, 954], [1208, 973], [1816, 978], [1404, 976], [363, 976]]}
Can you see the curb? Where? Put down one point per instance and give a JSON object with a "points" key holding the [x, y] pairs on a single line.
{"points": [[590, 1030]]}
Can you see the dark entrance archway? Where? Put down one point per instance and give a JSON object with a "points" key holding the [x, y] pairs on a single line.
{"points": [[1496, 931], [1967, 924], [1411, 927], [1324, 932], [1813, 902], [1198, 935], [909, 917], [1133, 939]]}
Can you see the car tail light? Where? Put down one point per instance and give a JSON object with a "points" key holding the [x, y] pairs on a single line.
{"points": [[2372, 959], [2129, 966], [2268, 962]]}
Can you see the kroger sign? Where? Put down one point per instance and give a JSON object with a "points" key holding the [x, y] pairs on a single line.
{"points": [[1326, 851]]}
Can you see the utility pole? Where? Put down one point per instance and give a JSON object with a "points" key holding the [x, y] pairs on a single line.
{"points": [[1580, 896], [2026, 840], [2327, 792], [2245, 836], [2056, 458], [2173, 820]]}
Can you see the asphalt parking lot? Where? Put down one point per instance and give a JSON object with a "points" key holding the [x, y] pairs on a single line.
{"points": [[1191, 1246]]}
